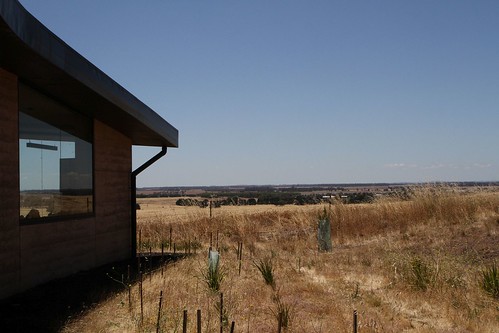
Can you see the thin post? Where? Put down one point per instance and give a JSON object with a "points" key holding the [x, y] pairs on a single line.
{"points": [[129, 286], [184, 323], [141, 300], [150, 263], [221, 312], [211, 205], [162, 256], [232, 327], [159, 310], [199, 321], [129, 297], [240, 256], [174, 248], [140, 240], [354, 321], [217, 241], [170, 242]]}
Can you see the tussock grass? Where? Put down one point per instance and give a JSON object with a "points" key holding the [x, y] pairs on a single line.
{"points": [[266, 268], [490, 280], [406, 264]]}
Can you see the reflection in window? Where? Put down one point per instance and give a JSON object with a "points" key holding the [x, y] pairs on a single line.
{"points": [[55, 158]]}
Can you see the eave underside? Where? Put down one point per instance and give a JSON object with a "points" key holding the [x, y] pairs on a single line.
{"points": [[41, 59]]}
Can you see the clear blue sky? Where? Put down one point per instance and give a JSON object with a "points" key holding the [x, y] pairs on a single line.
{"points": [[288, 92]]}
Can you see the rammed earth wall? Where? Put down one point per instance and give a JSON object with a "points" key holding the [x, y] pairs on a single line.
{"points": [[9, 184], [36, 253]]}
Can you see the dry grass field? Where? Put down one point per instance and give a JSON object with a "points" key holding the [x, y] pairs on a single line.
{"points": [[405, 265]]}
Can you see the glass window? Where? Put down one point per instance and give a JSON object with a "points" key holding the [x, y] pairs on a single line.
{"points": [[55, 158]]}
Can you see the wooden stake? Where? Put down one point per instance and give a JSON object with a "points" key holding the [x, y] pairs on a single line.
{"points": [[221, 312], [199, 321], [129, 297], [159, 310], [140, 240], [170, 243], [354, 321], [184, 325], [141, 300], [240, 257], [150, 264]]}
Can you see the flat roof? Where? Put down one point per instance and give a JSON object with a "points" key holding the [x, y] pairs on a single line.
{"points": [[40, 58]]}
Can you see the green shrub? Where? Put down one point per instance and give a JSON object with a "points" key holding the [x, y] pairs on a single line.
{"points": [[490, 281], [282, 312], [266, 267], [213, 278], [420, 277]]}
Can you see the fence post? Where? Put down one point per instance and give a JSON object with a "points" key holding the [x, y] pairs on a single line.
{"points": [[159, 310], [184, 325], [221, 312], [140, 240], [199, 321], [354, 321], [232, 327], [240, 256], [141, 300], [170, 243]]}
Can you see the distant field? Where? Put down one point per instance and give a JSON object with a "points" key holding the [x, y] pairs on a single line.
{"points": [[166, 208]]}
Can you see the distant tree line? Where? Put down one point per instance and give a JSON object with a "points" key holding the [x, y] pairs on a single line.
{"points": [[277, 198]]}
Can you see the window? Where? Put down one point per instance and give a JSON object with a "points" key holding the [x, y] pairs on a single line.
{"points": [[55, 159]]}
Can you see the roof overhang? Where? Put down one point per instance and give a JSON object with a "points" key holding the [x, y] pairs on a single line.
{"points": [[40, 58]]}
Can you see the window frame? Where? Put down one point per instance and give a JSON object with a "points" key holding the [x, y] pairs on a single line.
{"points": [[55, 218]]}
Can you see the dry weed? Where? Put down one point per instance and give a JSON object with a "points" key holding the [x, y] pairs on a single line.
{"points": [[404, 265]]}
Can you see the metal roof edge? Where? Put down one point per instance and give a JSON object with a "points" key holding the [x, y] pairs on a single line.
{"points": [[45, 44]]}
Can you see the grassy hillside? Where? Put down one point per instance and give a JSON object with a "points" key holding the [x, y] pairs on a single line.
{"points": [[419, 265]]}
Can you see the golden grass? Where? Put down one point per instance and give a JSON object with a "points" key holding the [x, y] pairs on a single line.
{"points": [[382, 252]]}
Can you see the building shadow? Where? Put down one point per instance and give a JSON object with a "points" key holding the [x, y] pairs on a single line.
{"points": [[49, 307]]}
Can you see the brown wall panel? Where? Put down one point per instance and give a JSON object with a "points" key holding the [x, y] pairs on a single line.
{"points": [[9, 184], [53, 250], [113, 162], [36, 253], [110, 246]]}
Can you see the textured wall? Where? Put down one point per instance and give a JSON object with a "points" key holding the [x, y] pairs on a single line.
{"points": [[57, 249], [113, 163], [36, 253], [9, 184]]}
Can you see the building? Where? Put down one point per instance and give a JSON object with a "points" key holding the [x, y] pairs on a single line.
{"points": [[67, 187]]}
